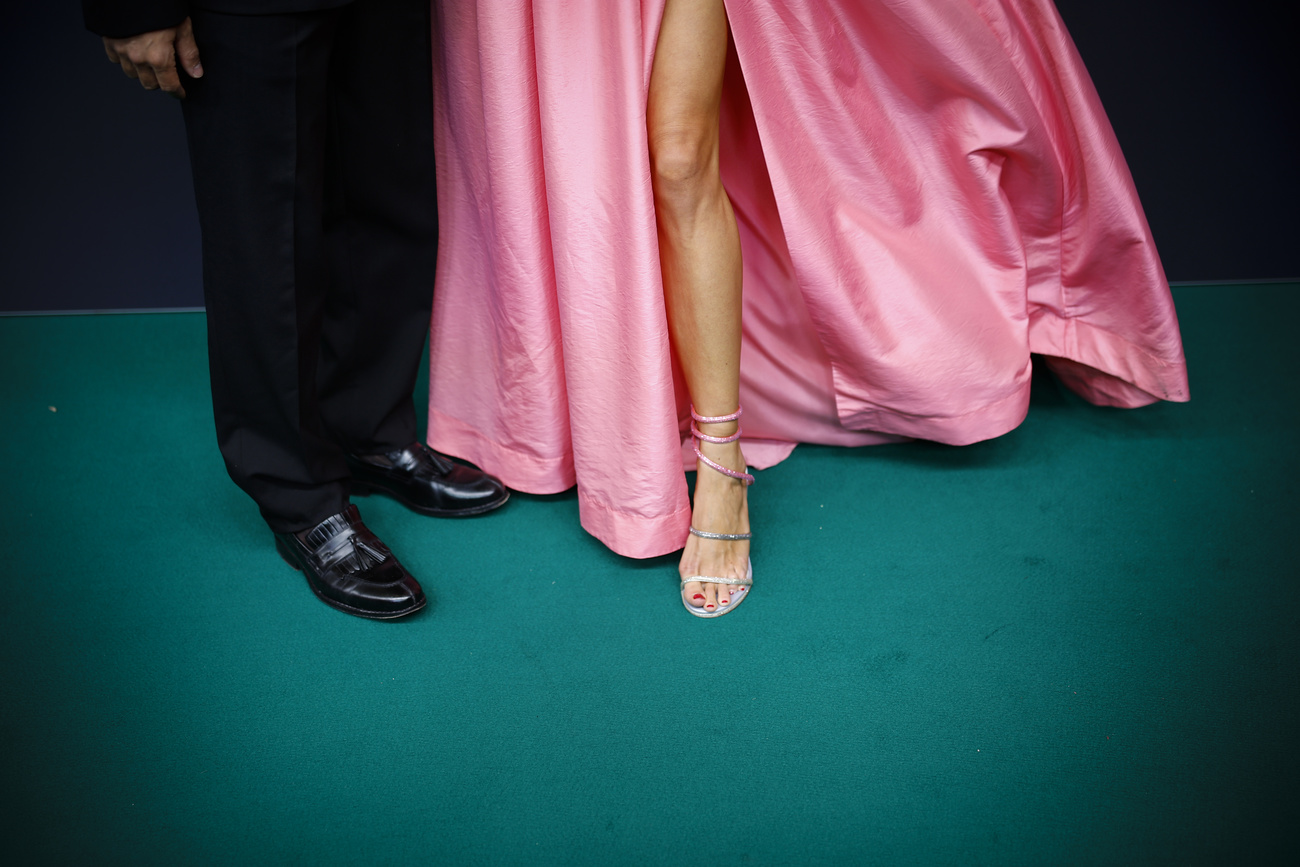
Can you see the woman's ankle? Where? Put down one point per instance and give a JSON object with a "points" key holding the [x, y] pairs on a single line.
{"points": [[727, 454]]}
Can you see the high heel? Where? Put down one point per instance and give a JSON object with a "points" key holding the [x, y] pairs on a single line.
{"points": [[741, 585]]}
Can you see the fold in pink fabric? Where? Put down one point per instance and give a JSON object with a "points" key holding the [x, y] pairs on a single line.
{"points": [[928, 192]]}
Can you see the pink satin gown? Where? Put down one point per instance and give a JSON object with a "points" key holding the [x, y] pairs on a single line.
{"points": [[927, 192]]}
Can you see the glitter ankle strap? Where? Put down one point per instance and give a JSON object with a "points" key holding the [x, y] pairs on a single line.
{"points": [[697, 434]]}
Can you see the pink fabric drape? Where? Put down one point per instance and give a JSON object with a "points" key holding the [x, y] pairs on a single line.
{"points": [[927, 191]]}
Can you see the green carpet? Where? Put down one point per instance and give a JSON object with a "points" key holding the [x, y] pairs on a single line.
{"points": [[1075, 644]]}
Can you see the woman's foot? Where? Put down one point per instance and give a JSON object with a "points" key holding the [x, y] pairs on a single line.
{"points": [[720, 507]]}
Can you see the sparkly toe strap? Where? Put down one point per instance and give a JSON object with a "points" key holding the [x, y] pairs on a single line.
{"points": [[709, 579]]}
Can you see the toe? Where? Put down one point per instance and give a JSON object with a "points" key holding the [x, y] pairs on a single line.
{"points": [[693, 593], [710, 597], [724, 594]]}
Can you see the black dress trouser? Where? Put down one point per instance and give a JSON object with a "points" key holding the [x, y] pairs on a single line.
{"points": [[311, 145]]}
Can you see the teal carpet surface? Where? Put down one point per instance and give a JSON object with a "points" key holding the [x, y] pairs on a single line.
{"points": [[1075, 644]]}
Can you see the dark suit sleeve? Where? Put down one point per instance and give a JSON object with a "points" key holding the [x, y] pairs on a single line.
{"points": [[119, 19]]}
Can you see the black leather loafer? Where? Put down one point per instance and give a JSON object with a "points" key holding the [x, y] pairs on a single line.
{"points": [[427, 482], [348, 568]]}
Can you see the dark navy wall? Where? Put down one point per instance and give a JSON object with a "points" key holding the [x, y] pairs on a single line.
{"points": [[97, 210], [1205, 98]]}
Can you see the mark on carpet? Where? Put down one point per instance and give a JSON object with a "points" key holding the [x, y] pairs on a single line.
{"points": [[996, 631]]}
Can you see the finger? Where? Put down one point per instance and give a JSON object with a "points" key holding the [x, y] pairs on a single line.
{"points": [[187, 50], [110, 51], [148, 80], [128, 67], [169, 80]]}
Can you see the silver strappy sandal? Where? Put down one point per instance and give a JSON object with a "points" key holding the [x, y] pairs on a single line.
{"points": [[742, 585]]}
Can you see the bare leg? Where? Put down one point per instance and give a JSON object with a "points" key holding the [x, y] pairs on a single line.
{"points": [[699, 250]]}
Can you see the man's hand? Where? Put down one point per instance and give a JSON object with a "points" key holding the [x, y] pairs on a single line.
{"points": [[152, 57]]}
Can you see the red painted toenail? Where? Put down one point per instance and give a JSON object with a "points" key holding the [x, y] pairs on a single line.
{"points": [[698, 596], [708, 606]]}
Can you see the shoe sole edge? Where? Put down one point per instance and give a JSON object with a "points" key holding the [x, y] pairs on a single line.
{"points": [[339, 606], [365, 489]]}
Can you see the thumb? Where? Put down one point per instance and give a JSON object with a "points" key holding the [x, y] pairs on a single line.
{"points": [[187, 51]]}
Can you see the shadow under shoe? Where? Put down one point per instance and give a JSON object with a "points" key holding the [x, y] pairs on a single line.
{"points": [[348, 568], [427, 482]]}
